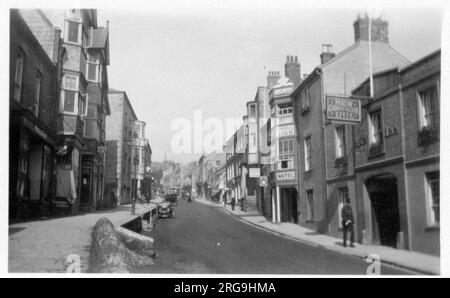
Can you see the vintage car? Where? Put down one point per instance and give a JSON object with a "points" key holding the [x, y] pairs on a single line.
{"points": [[165, 209], [171, 197]]}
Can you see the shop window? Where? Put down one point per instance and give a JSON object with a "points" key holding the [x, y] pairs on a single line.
{"points": [[19, 75], [23, 165], [433, 198]]}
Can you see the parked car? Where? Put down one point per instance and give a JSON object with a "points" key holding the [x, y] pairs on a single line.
{"points": [[171, 197], [165, 209]]}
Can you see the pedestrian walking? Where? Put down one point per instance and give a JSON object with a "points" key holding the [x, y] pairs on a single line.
{"points": [[347, 223], [233, 203]]}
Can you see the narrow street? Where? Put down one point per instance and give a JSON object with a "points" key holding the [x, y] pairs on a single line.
{"points": [[206, 239]]}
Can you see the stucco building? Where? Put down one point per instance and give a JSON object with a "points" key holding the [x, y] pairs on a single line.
{"points": [[120, 127]]}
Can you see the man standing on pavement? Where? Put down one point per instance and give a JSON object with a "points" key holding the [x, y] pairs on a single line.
{"points": [[347, 223]]}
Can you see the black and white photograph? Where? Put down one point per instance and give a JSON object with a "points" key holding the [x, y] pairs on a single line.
{"points": [[211, 138]]}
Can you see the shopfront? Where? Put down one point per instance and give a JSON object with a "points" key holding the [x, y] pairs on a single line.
{"points": [[32, 162]]}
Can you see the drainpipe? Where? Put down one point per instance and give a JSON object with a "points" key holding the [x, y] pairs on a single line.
{"points": [[405, 178], [325, 190]]}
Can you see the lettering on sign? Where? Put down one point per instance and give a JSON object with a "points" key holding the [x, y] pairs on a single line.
{"points": [[286, 176], [343, 109], [285, 90], [254, 172], [285, 120], [390, 131], [286, 131]]}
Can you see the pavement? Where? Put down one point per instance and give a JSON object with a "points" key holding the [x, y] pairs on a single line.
{"points": [[414, 261], [48, 245], [205, 239]]}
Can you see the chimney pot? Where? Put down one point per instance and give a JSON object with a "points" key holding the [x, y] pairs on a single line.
{"points": [[327, 53]]}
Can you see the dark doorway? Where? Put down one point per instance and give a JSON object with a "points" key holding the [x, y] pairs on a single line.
{"points": [[288, 201], [384, 199]]}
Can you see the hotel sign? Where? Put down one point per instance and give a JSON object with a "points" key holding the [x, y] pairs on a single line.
{"points": [[254, 172], [281, 91], [285, 176], [343, 109]]}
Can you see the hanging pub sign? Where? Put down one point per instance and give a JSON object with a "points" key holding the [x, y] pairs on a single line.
{"points": [[263, 181], [343, 109]]}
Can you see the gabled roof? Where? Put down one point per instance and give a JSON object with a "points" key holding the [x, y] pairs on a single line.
{"points": [[379, 51]]}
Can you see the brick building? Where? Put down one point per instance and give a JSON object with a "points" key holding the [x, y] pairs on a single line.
{"points": [[235, 165], [33, 110], [397, 157], [326, 173]]}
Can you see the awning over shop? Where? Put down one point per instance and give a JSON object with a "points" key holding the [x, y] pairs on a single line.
{"points": [[66, 186]]}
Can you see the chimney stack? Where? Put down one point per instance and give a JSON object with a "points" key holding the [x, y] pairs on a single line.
{"points": [[272, 78], [380, 29], [327, 53], [292, 70]]}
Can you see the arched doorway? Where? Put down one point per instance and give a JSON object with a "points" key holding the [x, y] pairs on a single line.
{"points": [[383, 194]]}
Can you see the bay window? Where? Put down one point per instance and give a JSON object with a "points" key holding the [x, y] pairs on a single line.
{"points": [[73, 32], [93, 68], [285, 109], [286, 154], [69, 94]]}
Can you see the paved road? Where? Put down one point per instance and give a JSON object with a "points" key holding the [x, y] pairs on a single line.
{"points": [[206, 239]]}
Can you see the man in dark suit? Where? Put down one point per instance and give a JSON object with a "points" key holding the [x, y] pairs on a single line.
{"points": [[347, 223]]}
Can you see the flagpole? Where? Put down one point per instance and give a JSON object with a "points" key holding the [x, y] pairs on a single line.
{"points": [[370, 58]]}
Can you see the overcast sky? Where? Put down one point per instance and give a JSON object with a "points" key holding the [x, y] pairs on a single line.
{"points": [[172, 62]]}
